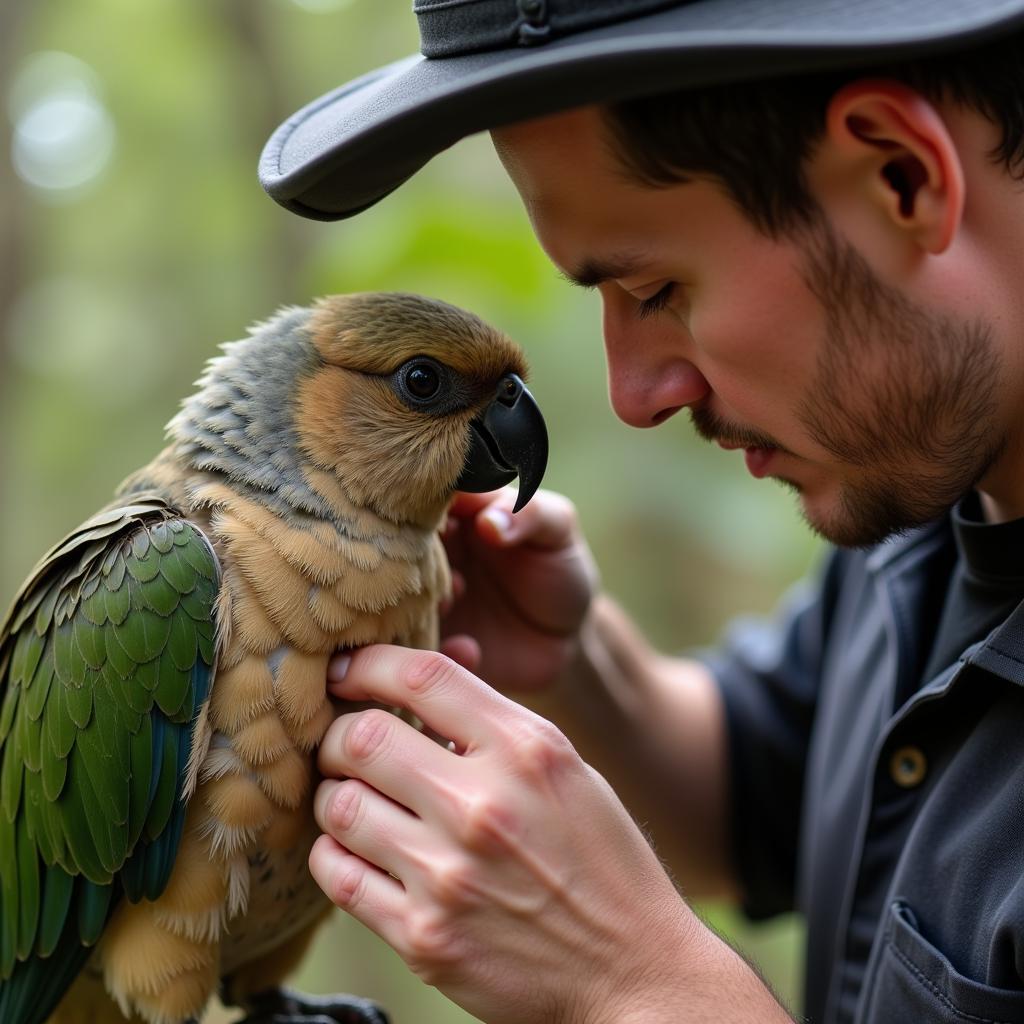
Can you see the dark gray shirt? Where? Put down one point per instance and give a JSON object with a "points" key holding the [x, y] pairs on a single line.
{"points": [[986, 584], [877, 756]]}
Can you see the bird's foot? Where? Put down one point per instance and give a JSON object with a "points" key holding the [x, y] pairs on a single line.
{"points": [[285, 1006]]}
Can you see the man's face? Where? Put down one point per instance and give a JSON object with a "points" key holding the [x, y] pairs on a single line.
{"points": [[878, 412]]}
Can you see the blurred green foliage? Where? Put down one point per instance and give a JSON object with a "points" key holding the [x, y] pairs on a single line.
{"points": [[115, 290]]}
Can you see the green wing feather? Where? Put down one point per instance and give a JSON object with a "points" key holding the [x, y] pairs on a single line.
{"points": [[106, 658]]}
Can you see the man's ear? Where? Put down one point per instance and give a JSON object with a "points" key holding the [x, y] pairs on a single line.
{"points": [[889, 144]]}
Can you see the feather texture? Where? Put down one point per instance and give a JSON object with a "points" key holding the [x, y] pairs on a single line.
{"points": [[106, 669], [153, 811]]}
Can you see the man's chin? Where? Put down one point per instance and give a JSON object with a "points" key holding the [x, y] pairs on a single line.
{"points": [[844, 534], [860, 519]]}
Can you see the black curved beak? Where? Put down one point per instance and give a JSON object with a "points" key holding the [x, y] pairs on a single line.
{"points": [[507, 440]]}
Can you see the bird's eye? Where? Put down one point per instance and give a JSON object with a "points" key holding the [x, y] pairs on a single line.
{"points": [[426, 385], [422, 380]]}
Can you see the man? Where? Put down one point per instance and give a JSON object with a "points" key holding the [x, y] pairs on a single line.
{"points": [[804, 224]]}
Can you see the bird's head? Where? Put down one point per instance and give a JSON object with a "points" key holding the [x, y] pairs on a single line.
{"points": [[413, 399]]}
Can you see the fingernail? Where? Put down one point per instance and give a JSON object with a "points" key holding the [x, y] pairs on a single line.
{"points": [[337, 667], [499, 519], [322, 797]]}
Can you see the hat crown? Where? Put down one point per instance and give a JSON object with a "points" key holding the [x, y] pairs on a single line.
{"points": [[451, 28]]}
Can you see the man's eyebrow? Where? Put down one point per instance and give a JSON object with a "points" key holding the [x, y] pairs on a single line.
{"points": [[591, 273]]}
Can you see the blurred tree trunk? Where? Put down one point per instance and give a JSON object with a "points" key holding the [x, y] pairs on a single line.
{"points": [[13, 229], [13, 16], [267, 105]]}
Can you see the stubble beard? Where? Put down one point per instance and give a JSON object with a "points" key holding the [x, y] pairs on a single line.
{"points": [[904, 397]]}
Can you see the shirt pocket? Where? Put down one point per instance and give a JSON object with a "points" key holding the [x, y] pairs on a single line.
{"points": [[914, 982]]}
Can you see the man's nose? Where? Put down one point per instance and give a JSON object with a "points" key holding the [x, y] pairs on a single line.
{"points": [[650, 376]]}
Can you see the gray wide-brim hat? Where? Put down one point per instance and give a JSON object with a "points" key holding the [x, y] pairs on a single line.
{"points": [[485, 63]]}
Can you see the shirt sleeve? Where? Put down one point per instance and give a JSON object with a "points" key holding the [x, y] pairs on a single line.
{"points": [[768, 673]]}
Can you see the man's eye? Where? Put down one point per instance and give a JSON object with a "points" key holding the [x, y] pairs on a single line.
{"points": [[657, 302]]}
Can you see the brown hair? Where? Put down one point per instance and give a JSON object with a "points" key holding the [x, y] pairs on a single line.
{"points": [[755, 137]]}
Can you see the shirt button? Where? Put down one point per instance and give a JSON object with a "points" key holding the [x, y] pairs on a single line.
{"points": [[908, 767]]}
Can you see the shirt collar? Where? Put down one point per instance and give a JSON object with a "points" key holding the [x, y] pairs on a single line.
{"points": [[895, 552]]}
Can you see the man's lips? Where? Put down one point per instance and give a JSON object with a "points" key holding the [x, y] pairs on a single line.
{"points": [[758, 460]]}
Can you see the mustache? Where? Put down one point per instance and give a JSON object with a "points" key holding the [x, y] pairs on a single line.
{"points": [[712, 427]]}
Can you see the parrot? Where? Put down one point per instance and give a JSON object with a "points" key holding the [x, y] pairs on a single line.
{"points": [[163, 667]]}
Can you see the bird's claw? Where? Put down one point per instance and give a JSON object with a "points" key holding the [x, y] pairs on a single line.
{"points": [[284, 1006]]}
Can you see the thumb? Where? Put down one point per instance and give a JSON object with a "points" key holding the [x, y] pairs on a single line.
{"points": [[548, 522]]}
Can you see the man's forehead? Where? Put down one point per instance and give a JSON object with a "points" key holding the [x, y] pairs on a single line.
{"points": [[595, 223], [562, 166], [552, 138]]}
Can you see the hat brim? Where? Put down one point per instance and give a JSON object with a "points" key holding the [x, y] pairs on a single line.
{"points": [[350, 148]]}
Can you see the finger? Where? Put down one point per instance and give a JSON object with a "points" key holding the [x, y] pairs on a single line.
{"points": [[449, 699], [367, 893], [462, 649], [337, 669], [369, 825], [466, 504], [548, 521], [395, 759]]}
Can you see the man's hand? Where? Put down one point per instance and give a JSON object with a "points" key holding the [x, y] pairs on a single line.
{"points": [[523, 585], [502, 868], [504, 871], [526, 618]]}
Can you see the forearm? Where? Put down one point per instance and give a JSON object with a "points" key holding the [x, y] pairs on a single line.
{"points": [[655, 728], [715, 987]]}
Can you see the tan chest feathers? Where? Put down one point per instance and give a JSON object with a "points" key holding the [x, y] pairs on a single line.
{"points": [[315, 588], [269, 706], [283, 901]]}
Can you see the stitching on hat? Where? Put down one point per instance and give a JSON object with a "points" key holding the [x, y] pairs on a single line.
{"points": [[425, 7], [533, 27]]}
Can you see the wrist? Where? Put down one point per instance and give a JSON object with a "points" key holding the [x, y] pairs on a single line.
{"points": [[605, 681], [650, 985], [689, 975]]}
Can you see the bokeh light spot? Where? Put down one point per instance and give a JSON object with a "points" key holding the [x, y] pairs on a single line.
{"points": [[63, 136]]}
